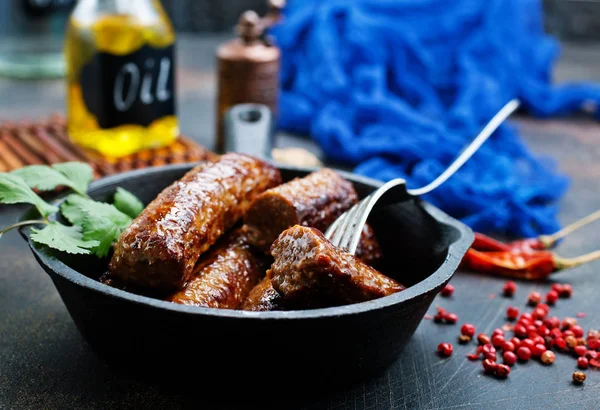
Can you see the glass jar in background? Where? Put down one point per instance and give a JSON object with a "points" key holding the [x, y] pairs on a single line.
{"points": [[120, 76], [32, 36]]}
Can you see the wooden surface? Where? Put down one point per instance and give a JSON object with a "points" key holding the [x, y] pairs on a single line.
{"points": [[44, 362]]}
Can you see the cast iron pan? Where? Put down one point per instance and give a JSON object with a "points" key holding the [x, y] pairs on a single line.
{"points": [[423, 247]]}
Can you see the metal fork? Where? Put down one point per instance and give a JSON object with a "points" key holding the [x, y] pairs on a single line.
{"points": [[346, 230]]}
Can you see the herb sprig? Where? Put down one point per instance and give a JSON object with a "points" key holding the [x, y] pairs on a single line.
{"points": [[95, 226]]}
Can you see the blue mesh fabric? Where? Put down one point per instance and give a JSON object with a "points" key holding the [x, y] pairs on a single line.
{"points": [[396, 88]]}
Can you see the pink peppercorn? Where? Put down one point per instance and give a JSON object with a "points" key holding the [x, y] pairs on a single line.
{"points": [[534, 298], [502, 370], [445, 349], [520, 331], [577, 331], [509, 358], [516, 341], [551, 297], [566, 291], [498, 341], [512, 312], [579, 350], [523, 353], [509, 288], [582, 362], [548, 357], [451, 318], [489, 366], [447, 291], [468, 330], [538, 350], [508, 346]]}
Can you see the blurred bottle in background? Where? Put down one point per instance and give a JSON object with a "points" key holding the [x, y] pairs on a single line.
{"points": [[120, 76], [32, 36]]}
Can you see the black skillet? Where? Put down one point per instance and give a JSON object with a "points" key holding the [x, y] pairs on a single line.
{"points": [[422, 245]]}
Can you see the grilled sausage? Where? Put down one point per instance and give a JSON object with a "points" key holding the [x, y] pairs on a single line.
{"points": [[310, 272], [223, 276], [263, 297], [315, 200], [161, 247]]}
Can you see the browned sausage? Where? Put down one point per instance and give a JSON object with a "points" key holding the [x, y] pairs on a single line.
{"points": [[161, 247], [263, 297], [309, 271], [315, 200], [223, 276]]}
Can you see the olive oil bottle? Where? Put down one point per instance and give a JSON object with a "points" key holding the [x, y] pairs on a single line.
{"points": [[120, 76]]}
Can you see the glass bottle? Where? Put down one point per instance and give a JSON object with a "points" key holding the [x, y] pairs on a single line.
{"points": [[120, 76]]}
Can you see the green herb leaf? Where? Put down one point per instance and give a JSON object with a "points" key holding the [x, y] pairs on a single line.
{"points": [[73, 209], [14, 190], [79, 174], [100, 222], [64, 238], [41, 177], [128, 203]]}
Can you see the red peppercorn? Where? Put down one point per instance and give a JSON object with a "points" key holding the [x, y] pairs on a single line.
{"points": [[581, 342], [582, 362], [577, 331], [568, 333], [473, 356], [555, 333], [548, 357], [569, 322], [451, 318], [498, 332], [509, 288], [523, 353], [594, 343], [447, 291], [566, 291], [488, 348], [445, 349], [502, 370], [549, 342], [571, 341], [527, 316], [498, 341], [595, 363], [509, 358], [557, 287], [560, 343], [537, 323], [531, 329], [544, 307], [539, 314], [528, 343], [551, 297], [538, 340], [591, 355], [508, 346], [579, 350], [534, 298], [516, 342], [468, 330], [520, 331], [490, 356], [543, 331], [538, 350], [483, 339], [489, 366], [552, 322], [512, 312]]}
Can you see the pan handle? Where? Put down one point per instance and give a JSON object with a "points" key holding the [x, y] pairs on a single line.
{"points": [[249, 130]]}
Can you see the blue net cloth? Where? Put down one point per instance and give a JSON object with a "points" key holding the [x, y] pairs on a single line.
{"points": [[396, 88]]}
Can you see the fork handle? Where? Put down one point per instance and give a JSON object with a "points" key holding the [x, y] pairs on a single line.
{"points": [[471, 149]]}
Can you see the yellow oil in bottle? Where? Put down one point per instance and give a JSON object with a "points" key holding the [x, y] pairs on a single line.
{"points": [[118, 35]]}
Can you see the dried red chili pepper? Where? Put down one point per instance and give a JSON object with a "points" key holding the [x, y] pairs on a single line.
{"points": [[486, 244], [522, 264]]}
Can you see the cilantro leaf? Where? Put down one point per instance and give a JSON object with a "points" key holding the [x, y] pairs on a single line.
{"points": [[13, 190], [41, 177], [79, 174], [73, 209], [100, 222], [64, 238], [128, 203]]}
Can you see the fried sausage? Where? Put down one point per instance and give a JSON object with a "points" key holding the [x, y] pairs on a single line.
{"points": [[161, 247], [223, 276], [263, 297], [315, 200], [310, 272]]}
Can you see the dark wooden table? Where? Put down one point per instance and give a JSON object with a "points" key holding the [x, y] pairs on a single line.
{"points": [[44, 362]]}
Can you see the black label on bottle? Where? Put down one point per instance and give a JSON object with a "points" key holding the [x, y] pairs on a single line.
{"points": [[136, 88], [42, 8]]}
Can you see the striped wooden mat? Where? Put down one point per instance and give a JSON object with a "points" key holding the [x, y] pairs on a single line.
{"points": [[46, 142]]}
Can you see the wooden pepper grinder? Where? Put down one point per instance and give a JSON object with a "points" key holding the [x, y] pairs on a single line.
{"points": [[248, 66]]}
